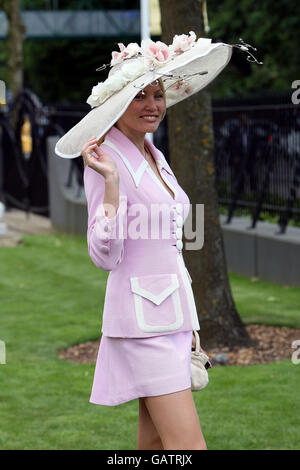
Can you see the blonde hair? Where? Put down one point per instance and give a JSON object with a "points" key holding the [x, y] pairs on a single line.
{"points": [[101, 140], [164, 95]]}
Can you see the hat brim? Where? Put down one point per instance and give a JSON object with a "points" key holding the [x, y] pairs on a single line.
{"points": [[207, 57]]}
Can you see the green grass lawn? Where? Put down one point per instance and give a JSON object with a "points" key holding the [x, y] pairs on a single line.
{"points": [[52, 297]]}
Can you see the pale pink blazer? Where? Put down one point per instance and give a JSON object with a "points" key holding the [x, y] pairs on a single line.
{"points": [[148, 291]]}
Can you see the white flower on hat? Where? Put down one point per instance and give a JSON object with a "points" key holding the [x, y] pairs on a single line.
{"points": [[155, 52], [133, 69], [132, 49], [182, 42], [99, 94], [115, 82]]}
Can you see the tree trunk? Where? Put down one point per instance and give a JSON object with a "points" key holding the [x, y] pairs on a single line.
{"points": [[191, 146], [15, 38]]}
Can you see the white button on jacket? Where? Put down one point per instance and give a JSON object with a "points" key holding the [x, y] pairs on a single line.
{"points": [[148, 290]]}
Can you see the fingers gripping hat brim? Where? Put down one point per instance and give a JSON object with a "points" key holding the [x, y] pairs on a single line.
{"points": [[207, 57]]}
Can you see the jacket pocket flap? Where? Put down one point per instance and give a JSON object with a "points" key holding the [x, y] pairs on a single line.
{"points": [[156, 287]]}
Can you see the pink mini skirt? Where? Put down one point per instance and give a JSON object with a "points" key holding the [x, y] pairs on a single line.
{"points": [[129, 368]]}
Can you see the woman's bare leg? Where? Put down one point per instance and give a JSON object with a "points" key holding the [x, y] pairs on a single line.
{"points": [[175, 418], [147, 435]]}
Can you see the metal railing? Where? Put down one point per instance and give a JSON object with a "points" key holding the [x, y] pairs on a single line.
{"points": [[257, 160], [257, 156], [24, 175]]}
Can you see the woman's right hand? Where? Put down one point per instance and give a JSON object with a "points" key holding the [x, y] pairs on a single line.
{"points": [[101, 162]]}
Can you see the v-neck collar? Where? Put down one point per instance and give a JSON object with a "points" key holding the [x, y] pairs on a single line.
{"points": [[133, 158]]}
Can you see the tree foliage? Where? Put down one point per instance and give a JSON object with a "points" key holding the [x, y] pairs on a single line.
{"points": [[273, 28]]}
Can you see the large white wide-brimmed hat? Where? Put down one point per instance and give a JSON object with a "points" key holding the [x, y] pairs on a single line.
{"points": [[185, 67]]}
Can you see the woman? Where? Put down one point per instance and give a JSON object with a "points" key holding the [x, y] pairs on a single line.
{"points": [[136, 213], [166, 421]]}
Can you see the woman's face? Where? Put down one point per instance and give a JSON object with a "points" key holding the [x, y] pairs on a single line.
{"points": [[145, 112]]}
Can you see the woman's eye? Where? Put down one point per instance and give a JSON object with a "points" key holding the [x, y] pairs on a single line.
{"points": [[141, 97]]}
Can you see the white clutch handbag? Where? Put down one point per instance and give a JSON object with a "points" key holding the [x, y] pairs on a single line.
{"points": [[199, 363]]}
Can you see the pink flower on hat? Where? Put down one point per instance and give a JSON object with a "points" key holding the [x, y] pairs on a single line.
{"points": [[125, 52], [117, 57], [155, 52], [183, 42]]}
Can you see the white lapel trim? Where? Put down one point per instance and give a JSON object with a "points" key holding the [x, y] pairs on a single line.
{"points": [[165, 163], [137, 176], [170, 185], [154, 177]]}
